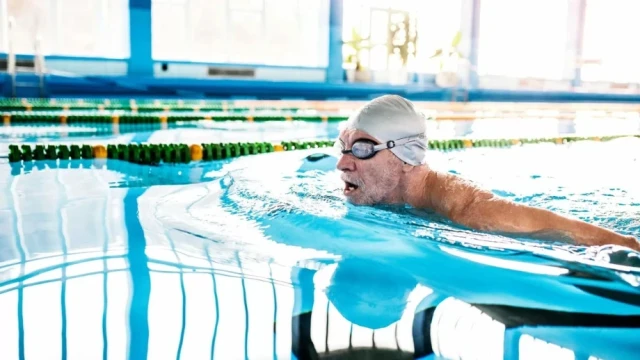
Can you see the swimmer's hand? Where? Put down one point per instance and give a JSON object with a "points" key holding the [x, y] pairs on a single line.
{"points": [[478, 209]]}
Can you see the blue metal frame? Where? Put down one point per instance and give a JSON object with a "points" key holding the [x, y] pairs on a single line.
{"points": [[577, 75], [140, 60], [335, 73], [236, 65], [475, 39]]}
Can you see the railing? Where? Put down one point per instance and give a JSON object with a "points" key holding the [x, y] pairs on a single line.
{"points": [[39, 65], [11, 57]]}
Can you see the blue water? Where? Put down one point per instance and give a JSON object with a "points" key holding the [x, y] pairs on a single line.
{"points": [[261, 257]]}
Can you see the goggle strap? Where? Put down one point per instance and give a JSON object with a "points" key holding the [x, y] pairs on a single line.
{"points": [[393, 143]]}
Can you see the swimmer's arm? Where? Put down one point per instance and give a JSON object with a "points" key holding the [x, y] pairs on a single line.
{"points": [[482, 210]]}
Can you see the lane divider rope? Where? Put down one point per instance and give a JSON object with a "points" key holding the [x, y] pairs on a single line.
{"points": [[131, 105], [185, 153], [163, 118], [154, 153]]}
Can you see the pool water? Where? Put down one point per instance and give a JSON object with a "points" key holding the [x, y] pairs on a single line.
{"points": [[260, 257]]}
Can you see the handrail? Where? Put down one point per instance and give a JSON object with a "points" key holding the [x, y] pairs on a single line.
{"points": [[11, 57], [39, 63]]}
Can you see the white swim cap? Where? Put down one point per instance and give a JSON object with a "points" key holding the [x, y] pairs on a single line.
{"points": [[392, 118]]}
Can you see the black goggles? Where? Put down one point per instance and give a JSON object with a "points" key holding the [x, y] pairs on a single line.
{"points": [[364, 149]]}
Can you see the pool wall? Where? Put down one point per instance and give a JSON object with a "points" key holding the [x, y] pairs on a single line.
{"points": [[127, 86]]}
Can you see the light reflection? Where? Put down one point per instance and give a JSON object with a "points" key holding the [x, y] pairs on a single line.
{"points": [[200, 316], [42, 321], [261, 304], [84, 318], [165, 315], [9, 325], [507, 264], [274, 316], [457, 328], [531, 348], [232, 333]]}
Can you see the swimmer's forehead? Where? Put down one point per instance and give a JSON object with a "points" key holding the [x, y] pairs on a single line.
{"points": [[348, 136]]}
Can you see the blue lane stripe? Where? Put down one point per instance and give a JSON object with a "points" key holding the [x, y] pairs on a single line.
{"points": [[246, 308], [140, 278], [215, 297], [105, 286], [23, 257], [20, 319], [184, 314], [63, 278], [275, 310]]}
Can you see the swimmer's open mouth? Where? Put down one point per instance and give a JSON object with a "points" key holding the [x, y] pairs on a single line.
{"points": [[349, 187]]}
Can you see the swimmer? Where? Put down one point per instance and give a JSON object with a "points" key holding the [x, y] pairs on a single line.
{"points": [[383, 161]]}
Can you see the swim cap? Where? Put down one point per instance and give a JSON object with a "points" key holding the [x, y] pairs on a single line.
{"points": [[391, 118]]}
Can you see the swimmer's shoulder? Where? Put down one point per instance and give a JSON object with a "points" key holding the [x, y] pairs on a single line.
{"points": [[447, 192]]}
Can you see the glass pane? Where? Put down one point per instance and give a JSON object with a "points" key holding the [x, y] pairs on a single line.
{"points": [[98, 28], [208, 30], [379, 26], [246, 5], [438, 22], [115, 31], [245, 29], [78, 27], [31, 18], [283, 33], [378, 18], [523, 39], [314, 32], [609, 30], [378, 59], [169, 42], [3, 26], [286, 32]]}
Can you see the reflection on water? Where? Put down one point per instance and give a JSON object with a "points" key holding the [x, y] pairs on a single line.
{"points": [[211, 131], [261, 258], [213, 305]]}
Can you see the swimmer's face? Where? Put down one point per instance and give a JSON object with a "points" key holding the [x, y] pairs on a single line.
{"points": [[370, 181]]}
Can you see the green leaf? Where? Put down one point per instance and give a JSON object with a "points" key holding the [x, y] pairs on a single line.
{"points": [[456, 39], [355, 36], [437, 53]]}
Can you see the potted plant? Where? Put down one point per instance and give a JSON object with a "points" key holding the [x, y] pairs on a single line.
{"points": [[401, 47], [449, 58], [356, 72]]}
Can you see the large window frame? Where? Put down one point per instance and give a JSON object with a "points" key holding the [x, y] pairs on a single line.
{"points": [[557, 69], [597, 64], [118, 50], [233, 10]]}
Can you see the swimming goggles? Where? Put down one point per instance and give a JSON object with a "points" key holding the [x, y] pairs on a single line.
{"points": [[364, 149]]}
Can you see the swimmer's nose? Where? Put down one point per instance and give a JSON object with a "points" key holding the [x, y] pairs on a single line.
{"points": [[346, 163]]}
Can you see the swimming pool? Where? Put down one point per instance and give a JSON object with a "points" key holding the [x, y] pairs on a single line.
{"points": [[260, 257]]}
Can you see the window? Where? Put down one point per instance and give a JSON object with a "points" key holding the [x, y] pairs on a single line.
{"points": [[424, 27], [608, 41], [523, 38], [169, 29], [269, 32], [438, 24], [99, 28], [30, 19]]}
